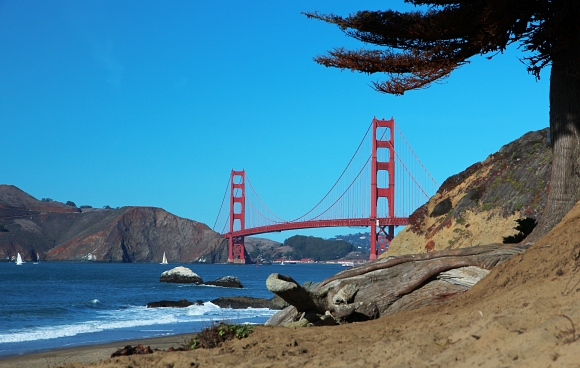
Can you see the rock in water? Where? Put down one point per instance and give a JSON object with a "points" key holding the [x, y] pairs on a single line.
{"points": [[226, 281], [181, 275], [183, 303], [243, 302]]}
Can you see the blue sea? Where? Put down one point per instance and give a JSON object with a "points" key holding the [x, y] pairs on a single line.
{"points": [[59, 304]]}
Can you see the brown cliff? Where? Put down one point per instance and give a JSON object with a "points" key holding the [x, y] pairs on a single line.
{"points": [[481, 204], [129, 234]]}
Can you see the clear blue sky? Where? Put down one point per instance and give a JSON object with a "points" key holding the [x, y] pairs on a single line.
{"points": [[152, 103]]}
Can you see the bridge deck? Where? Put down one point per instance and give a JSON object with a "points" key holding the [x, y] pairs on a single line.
{"points": [[396, 221]]}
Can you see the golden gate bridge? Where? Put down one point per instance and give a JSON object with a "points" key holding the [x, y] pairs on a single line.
{"points": [[381, 186]]}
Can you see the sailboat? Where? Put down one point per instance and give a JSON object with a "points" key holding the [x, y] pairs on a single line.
{"points": [[37, 259], [18, 259], [164, 259]]}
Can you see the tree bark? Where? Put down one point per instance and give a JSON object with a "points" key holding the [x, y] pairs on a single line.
{"points": [[564, 188]]}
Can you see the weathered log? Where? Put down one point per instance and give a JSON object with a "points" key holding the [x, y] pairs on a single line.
{"points": [[393, 261], [464, 276], [389, 285], [284, 317], [432, 293], [289, 290]]}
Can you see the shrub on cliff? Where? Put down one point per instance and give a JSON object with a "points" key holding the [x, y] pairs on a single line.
{"points": [[525, 227]]}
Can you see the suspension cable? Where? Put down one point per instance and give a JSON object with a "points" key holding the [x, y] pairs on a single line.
{"points": [[337, 180], [356, 177], [265, 217], [345, 191], [262, 202], [416, 157], [411, 175], [221, 206], [225, 224]]}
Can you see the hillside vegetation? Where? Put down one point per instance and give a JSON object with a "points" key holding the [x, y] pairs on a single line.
{"points": [[317, 249]]}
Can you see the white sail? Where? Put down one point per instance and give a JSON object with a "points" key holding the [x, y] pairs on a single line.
{"points": [[19, 259], [164, 259], [37, 259]]}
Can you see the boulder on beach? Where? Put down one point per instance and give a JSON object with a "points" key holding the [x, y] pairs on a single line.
{"points": [[181, 275], [226, 281]]}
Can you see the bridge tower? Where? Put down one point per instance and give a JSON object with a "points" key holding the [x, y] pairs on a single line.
{"points": [[237, 213], [379, 234]]}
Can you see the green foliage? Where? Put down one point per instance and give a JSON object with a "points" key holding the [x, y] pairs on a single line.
{"points": [[460, 221], [525, 227], [212, 336], [243, 331], [70, 203], [86, 206], [191, 344], [419, 47], [107, 207], [487, 206], [47, 200], [317, 249], [3, 229]]}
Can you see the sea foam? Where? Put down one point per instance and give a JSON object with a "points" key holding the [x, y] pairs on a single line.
{"points": [[136, 316]]}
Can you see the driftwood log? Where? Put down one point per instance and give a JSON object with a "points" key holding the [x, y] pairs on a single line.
{"points": [[386, 286]]}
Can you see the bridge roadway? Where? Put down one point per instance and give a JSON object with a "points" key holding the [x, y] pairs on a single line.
{"points": [[396, 221]]}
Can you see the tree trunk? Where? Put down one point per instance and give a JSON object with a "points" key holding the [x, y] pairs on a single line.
{"points": [[564, 188]]}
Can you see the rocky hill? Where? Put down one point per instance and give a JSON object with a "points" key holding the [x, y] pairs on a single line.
{"points": [[481, 204], [129, 234]]}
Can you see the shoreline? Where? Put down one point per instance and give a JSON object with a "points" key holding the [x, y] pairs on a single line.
{"points": [[87, 353]]}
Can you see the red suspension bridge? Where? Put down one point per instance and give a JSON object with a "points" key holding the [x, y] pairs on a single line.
{"points": [[383, 183]]}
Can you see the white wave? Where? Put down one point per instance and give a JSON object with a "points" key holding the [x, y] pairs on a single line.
{"points": [[53, 332], [95, 301], [134, 317]]}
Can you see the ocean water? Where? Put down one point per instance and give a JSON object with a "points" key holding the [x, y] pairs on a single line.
{"points": [[59, 304]]}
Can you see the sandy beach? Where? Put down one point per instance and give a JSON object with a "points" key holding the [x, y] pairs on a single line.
{"points": [[86, 354]]}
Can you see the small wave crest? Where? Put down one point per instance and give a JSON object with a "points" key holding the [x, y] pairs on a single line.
{"points": [[134, 316]]}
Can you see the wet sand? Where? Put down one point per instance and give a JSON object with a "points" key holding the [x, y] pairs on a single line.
{"points": [[86, 354]]}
